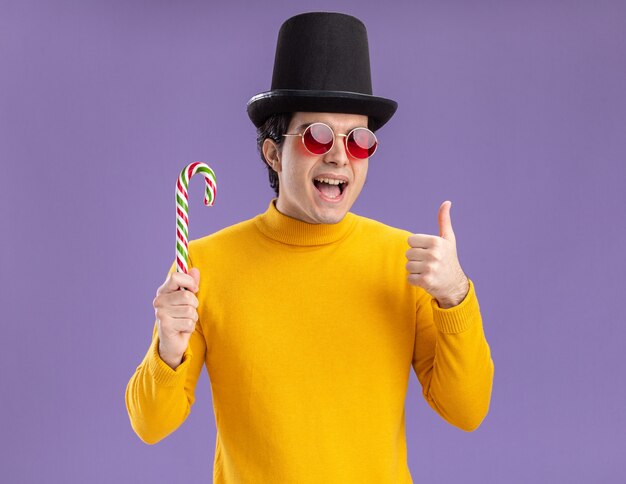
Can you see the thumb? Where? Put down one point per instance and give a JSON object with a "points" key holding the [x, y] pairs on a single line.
{"points": [[445, 221], [195, 273]]}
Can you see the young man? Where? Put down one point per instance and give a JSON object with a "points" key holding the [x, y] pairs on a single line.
{"points": [[308, 317]]}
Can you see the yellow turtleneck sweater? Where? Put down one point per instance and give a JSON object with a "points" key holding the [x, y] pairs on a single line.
{"points": [[309, 333]]}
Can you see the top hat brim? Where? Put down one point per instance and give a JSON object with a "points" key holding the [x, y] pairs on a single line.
{"points": [[378, 109]]}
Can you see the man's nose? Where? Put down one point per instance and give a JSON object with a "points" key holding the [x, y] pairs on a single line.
{"points": [[338, 154]]}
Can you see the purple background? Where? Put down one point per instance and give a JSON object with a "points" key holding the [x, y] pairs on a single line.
{"points": [[515, 111]]}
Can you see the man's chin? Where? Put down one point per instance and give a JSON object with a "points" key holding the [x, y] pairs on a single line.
{"points": [[331, 216], [330, 220]]}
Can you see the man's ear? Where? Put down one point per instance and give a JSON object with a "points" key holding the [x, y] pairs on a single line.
{"points": [[271, 154]]}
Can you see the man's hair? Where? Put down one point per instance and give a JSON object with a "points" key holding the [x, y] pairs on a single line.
{"points": [[273, 128]]}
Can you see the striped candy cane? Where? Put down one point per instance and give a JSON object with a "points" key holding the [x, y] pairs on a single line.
{"points": [[182, 208]]}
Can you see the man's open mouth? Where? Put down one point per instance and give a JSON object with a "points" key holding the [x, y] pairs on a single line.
{"points": [[330, 187]]}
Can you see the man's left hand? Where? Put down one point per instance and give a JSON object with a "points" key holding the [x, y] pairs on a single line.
{"points": [[433, 263]]}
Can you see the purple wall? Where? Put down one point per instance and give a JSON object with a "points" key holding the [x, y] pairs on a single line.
{"points": [[515, 111]]}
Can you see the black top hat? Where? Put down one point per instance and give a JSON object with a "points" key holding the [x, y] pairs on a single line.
{"points": [[322, 65]]}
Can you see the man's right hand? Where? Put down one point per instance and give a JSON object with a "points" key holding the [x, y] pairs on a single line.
{"points": [[176, 314]]}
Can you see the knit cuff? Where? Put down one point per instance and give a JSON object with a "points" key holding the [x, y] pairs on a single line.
{"points": [[457, 318], [162, 373]]}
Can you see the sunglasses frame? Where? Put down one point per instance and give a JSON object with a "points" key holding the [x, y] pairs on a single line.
{"points": [[345, 143]]}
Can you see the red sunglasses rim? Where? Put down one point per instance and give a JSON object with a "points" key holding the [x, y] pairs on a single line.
{"points": [[345, 141]]}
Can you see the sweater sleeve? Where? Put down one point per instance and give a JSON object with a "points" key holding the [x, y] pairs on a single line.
{"points": [[452, 359], [159, 398]]}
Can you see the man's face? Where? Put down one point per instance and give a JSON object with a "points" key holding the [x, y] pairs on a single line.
{"points": [[301, 194]]}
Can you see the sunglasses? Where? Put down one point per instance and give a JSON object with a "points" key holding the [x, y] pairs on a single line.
{"points": [[319, 139]]}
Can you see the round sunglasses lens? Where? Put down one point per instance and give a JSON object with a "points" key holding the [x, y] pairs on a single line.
{"points": [[318, 138], [362, 143]]}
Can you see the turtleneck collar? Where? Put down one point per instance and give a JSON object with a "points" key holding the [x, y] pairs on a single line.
{"points": [[288, 230]]}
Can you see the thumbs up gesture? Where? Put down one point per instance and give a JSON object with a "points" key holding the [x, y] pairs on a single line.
{"points": [[433, 263]]}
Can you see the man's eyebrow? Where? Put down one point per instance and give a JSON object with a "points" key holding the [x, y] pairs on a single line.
{"points": [[304, 125]]}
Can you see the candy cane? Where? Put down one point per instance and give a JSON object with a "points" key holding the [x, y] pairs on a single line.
{"points": [[182, 208]]}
